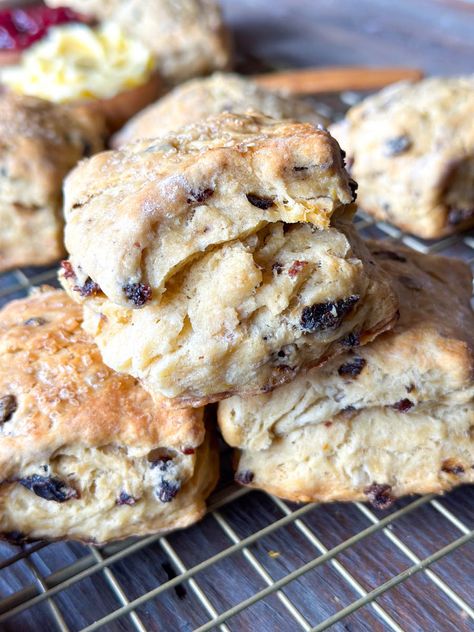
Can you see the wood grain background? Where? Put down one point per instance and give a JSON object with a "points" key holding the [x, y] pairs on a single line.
{"points": [[435, 35]]}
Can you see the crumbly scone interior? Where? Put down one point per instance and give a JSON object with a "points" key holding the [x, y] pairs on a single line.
{"points": [[258, 289], [379, 454], [106, 492]]}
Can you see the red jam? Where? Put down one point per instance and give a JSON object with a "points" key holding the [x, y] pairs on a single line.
{"points": [[20, 28]]}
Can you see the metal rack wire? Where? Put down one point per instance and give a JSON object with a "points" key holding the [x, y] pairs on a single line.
{"points": [[273, 572]]}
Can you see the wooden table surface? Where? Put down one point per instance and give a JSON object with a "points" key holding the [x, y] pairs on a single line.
{"points": [[435, 35]]}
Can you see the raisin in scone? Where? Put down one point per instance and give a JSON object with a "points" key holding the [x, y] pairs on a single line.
{"points": [[84, 452], [392, 418], [187, 37], [200, 261], [411, 147], [40, 143], [198, 99]]}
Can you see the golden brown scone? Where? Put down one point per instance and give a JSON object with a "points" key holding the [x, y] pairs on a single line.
{"points": [[40, 143], [411, 147], [198, 99], [388, 419], [84, 451], [214, 235], [188, 37], [140, 214]]}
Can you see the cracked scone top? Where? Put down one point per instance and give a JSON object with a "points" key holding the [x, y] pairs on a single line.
{"points": [[138, 215], [411, 149], [200, 98], [392, 418], [207, 261], [84, 451]]}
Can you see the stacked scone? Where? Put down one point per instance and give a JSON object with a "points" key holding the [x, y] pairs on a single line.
{"points": [[85, 453], [221, 260], [392, 418]]}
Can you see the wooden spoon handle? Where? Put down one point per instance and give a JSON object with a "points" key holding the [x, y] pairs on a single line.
{"points": [[335, 79]]}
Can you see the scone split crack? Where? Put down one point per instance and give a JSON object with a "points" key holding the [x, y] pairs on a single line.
{"points": [[237, 232]]}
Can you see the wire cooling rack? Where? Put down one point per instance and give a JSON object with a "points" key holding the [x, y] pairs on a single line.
{"points": [[256, 562]]}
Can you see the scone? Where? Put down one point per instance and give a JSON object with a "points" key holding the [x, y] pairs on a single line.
{"points": [[411, 149], [41, 142], [198, 99], [392, 418], [187, 37], [207, 262], [84, 452]]}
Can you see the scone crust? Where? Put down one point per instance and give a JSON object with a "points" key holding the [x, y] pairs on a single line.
{"points": [[412, 152], [65, 394], [41, 142], [188, 37], [198, 99], [79, 441], [425, 361]]}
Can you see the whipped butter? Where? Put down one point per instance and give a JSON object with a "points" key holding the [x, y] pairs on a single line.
{"points": [[77, 62]]}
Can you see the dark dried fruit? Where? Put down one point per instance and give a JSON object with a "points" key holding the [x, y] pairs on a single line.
{"points": [[199, 195], [300, 168], [379, 496], [138, 293], [36, 321], [167, 490], [328, 315], [245, 477], [351, 340], [168, 486], [68, 270], [296, 268], [189, 451], [277, 267], [263, 203], [403, 405], [458, 215], [49, 488], [396, 146], [15, 537], [125, 499], [451, 467], [8, 406], [352, 368], [90, 288], [353, 187], [388, 254]]}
